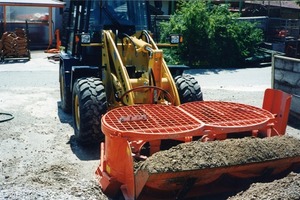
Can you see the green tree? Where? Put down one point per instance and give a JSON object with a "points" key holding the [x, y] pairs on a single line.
{"points": [[212, 35]]}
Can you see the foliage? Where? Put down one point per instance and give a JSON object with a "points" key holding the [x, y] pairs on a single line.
{"points": [[212, 35]]}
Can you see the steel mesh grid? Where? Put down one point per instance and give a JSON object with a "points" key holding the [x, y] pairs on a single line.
{"points": [[160, 119], [226, 114]]}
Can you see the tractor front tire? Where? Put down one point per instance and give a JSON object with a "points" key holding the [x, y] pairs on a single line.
{"points": [[89, 104], [188, 88]]}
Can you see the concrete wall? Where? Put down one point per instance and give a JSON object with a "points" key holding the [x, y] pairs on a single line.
{"points": [[286, 77]]}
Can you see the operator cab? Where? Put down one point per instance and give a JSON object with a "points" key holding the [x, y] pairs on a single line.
{"points": [[122, 16], [89, 18]]}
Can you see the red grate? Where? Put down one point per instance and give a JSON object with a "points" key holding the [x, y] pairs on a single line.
{"points": [[150, 120], [227, 114]]}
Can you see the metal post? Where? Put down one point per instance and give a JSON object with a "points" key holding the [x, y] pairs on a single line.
{"points": [[273, 72], [4, 18], [50, 27]]}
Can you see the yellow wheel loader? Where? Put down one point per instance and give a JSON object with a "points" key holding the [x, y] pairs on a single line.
{"points": [[111, 60], [114, 80]]}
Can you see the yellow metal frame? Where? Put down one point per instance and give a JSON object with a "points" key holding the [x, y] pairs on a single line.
{"points": [[148, 60]]}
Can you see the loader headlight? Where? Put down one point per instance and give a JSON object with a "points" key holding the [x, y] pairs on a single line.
{"points": [[85, 38], [176, 39]]}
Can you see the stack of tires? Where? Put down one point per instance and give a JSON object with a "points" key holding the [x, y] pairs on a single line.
{"points": [[14, 44]]}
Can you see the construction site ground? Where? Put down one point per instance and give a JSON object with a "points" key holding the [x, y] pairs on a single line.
{"points": [[40, 159]]}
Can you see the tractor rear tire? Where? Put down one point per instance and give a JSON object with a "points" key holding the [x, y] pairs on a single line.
{"points": [[65, 94], [188, 88], [89, 104]]}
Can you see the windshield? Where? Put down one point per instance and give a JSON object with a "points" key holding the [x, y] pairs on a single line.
{"points": [[118, 13]]}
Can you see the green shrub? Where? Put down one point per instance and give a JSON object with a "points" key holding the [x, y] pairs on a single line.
{"points": [[212, 35]]}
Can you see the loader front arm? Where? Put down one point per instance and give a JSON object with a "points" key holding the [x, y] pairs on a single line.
{"points": [[115, 72], [133, 63]]}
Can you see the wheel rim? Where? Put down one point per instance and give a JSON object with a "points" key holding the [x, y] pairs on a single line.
{"points": [[76, 113]]}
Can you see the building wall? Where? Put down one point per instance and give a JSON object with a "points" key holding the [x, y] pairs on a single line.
{"points": [[286, 77]]}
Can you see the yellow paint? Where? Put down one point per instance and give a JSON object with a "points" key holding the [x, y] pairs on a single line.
{"points": [[108, 170]]}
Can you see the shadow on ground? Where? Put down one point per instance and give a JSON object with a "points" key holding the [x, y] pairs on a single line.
{"points": [[83, 152], [13, 61], [209, 71], [294, 121], [65, 118], [206, 71]]}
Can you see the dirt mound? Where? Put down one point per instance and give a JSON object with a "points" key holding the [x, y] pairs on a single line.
{"points": [[285, 188], [200, 155]]}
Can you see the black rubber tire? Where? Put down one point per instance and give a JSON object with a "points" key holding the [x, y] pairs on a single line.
{"points": [[65, 94], [87, 109], [188, 88]]}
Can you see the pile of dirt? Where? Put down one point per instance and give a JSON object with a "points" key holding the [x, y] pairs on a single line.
{"points": [[285, 188], [199, 155]]}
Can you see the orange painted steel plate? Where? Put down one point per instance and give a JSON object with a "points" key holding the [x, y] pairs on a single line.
{"points": [[184, 120]]}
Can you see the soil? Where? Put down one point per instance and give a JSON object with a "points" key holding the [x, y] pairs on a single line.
{"points": [[285, 188], [40, 159], [200, 155]]}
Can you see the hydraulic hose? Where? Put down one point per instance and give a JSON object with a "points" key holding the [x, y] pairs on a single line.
{"points": [[8, 117]]}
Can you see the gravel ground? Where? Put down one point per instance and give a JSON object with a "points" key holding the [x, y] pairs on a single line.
{"points": [[39, 158], [287, 188]]}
